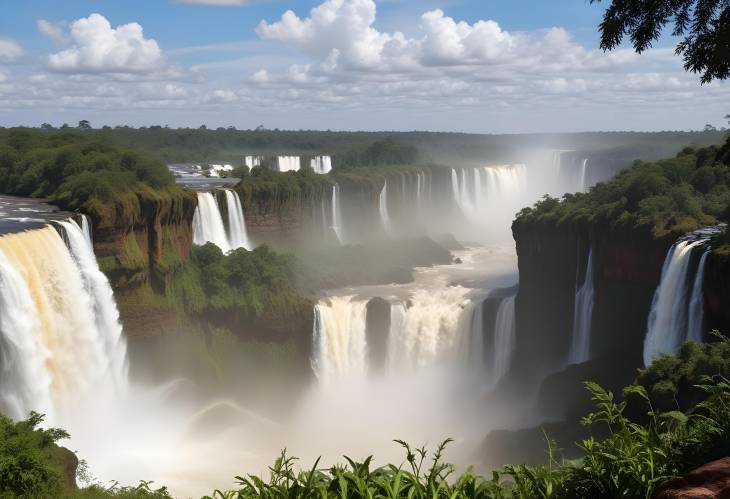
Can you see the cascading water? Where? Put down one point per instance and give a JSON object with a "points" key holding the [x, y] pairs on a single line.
{"points": [[667, 323], [252, 161], [432, 328], [321, 164], [476, 343], [582, 177], [336, 213], [237, 233], [383, 209], [580, 347], [208, 223], [340, 344], [504, 338], [289, 163], [61, 338], [696, 323]]}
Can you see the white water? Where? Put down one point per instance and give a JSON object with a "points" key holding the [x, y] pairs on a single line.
{"points": [[336, 213], [432, 328], [61, 339], [488, 197], [383, 209], [237, 233], [697, 302], [504, 338], [340, 345], [252, 161], [321, 164], [580, 347], [289, 163], [208, 223], [476, 343], [668, 317], [582, 176]]}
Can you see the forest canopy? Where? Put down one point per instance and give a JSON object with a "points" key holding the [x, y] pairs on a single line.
{"points": [[679, 194]]}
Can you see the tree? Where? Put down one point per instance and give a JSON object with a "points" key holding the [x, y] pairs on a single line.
{"points": [[710, 128], [65, 125], [84, 125], [203, 127], [727, 117], [703, 24], [47, 126]]}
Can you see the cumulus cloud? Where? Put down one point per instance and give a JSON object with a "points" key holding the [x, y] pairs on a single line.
{"points": [[54, 31], [9, 50], [99, 48]]}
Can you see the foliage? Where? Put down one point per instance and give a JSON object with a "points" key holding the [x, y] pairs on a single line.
{"points": [[631, 462], [704, 24], [144, 490], [242, 285], [379, 153], [672, 381], [29, 459], [278, 188], [74, 168], [672, 195]]}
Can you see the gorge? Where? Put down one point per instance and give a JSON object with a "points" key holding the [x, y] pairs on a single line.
{"points": [[395, 285]]}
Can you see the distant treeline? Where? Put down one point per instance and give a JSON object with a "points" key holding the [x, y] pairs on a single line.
{"points": [[229, 145]]}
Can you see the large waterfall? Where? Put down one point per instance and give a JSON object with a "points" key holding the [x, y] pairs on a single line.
{"points": [[504, 338], [696, 324], [383, 209], [60, 337], [208, 223], [321, 164], [340, 345], [237, 233], [580, 347], [478, 192], [667, 325], [289, 163]]}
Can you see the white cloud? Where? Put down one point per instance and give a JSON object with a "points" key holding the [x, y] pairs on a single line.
{"points": [[9, 50], [3, 78], [99, 48], [54, 31]]}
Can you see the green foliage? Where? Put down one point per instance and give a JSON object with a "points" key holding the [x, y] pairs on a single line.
{"points": [[73, 169], [246, 284], [705, 26], [630, 462], [380, 153], [29, 466], [672, 195], [144, 490]]}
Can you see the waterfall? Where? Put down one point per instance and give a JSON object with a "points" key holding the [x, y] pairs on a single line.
{"points": [[433, 327], [697, 302], [419, 188], [339, 338], [582, 186], [580, 348], [504, 338], [383, 209], [252, 161], [289, 163], [321, 164], [237, 233], [668, 317], [481, 192], [476, 343], [60, 337], [336, 213], [208, 223]]}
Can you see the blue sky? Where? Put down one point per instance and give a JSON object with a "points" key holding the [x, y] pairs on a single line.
{"points": [[461, 65]]}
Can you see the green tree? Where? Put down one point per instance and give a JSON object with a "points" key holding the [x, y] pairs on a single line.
{"points": [[704, 26], [84, 125]]}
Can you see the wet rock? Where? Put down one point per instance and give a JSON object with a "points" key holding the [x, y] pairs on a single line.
{"points": [[709, 481]]}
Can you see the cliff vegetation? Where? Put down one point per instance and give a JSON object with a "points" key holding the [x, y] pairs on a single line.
{"points": [[674, 195]]}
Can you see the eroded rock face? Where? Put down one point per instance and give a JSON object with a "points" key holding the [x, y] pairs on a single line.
{"points": [[709, 481]]}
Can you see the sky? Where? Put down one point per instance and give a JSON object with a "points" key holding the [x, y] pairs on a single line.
{"points": [[481, 66]]}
